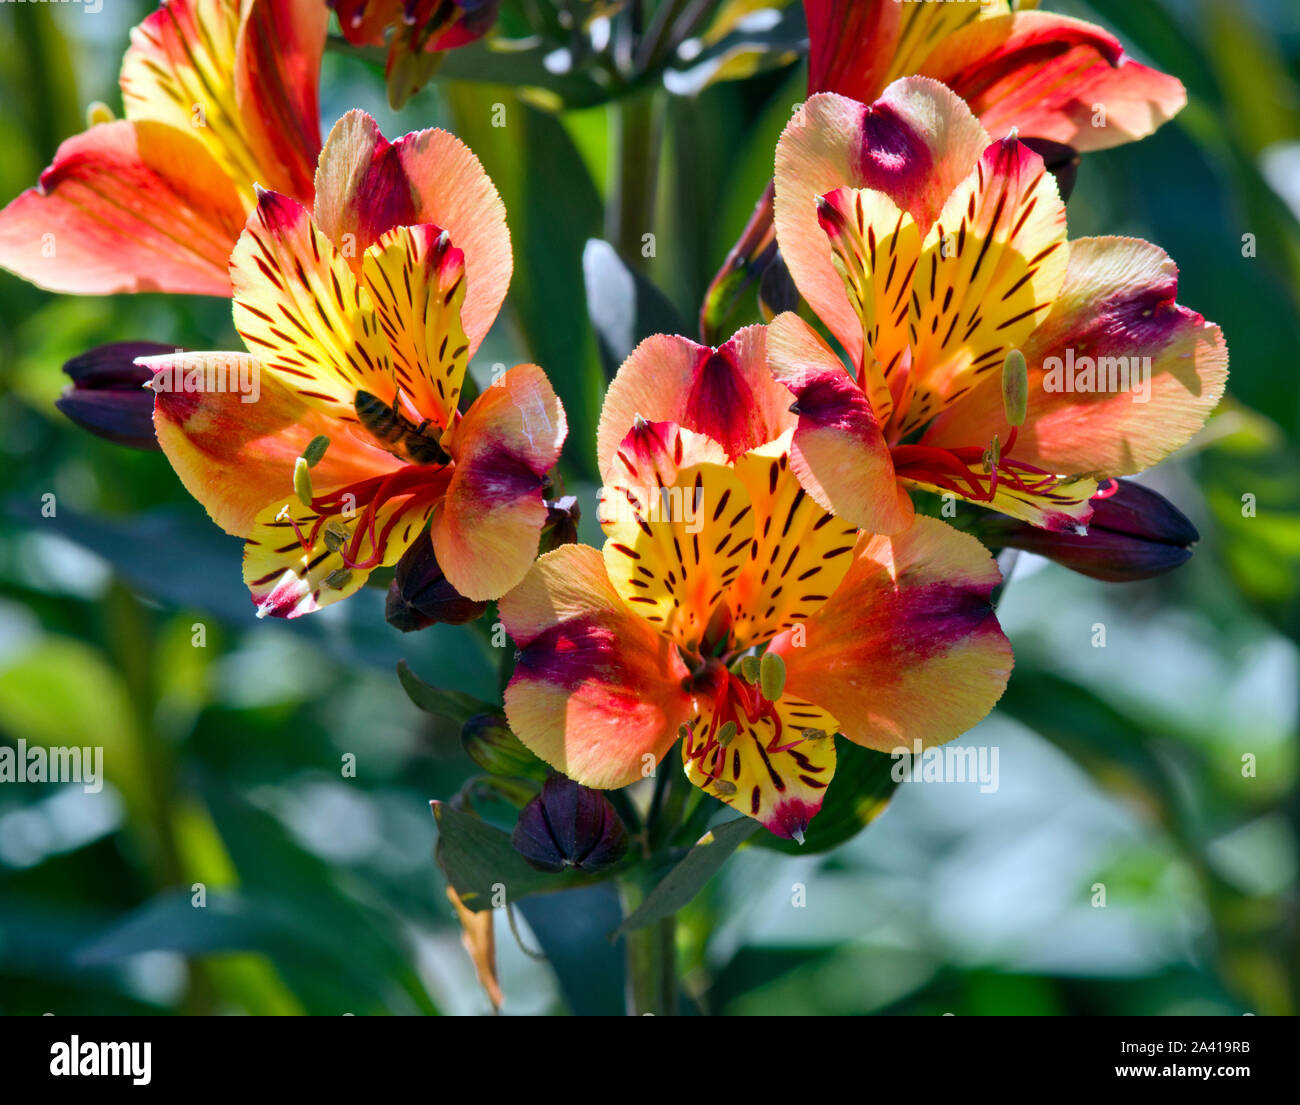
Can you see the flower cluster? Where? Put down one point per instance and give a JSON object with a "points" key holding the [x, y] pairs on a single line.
{"points": [[767, 583]]}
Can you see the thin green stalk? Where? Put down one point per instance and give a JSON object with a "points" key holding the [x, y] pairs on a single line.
{"points": [[637, 125], [651, 961]]}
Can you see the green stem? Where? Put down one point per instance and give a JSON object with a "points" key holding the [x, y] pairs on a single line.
{"points": [[651, 962], [637, 122]]}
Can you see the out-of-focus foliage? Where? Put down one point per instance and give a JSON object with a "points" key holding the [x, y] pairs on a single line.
{"points": [[279, 775]]}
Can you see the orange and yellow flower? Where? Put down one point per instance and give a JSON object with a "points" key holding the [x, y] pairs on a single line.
{"points": [[1049, 76], [714, 556], [938, 260], [1063, 84], [361, 318], [219, 96]]}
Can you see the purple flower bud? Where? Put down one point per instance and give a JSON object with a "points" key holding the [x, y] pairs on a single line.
{"points": [[1134, 533], [420, 594], [569, 825], [107, 395]]}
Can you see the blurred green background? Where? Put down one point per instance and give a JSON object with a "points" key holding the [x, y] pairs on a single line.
{"points": [[1120, 765]]}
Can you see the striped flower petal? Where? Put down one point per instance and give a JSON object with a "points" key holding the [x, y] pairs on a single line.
{"points": [[365, 186], [416, 281], [240, 76], [597, 692], [209, 433], [303, 314], [991, 267], [910, 649], [1146, 372], [915, 144], [768, 770], [679, 525], [301, 558]]}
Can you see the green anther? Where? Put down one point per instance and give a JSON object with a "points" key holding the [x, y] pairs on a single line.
{"points": [[749, 666], [684, 731], [727, 734], [1015, 387], [724, 786], [315, 450], [338, 579], [771, 676], [302, 481], [335, 536], [815, 734]]}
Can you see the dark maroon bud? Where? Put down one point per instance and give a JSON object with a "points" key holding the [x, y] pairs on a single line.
{"points": [[107, 395], [561, 527], [1135, 533], [569, 825], [420, 594], [1062, 162]]}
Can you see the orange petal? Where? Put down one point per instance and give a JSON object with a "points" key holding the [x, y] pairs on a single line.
{"points": [[242, 78], [838, 452], [727, 393], [596, 692], [915, 144], [302, 313], [991, 267], [277, 85], [126, 207], [908, 648], [851, 45], [235, 456], [365, 187], [487, 530], [1116, 308], [1047, 74]]}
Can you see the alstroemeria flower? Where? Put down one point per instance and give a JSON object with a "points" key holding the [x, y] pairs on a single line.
{"points": [[1048, 76], [418, 32], [714, 555], [1059, 81], [360, 319], [932, 255], [219, 95]]}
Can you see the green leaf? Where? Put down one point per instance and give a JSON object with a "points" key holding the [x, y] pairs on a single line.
{"points": [[625, 308], [477, 857], [684, 881], [455, 706], [861, 789], [553, 208]]}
